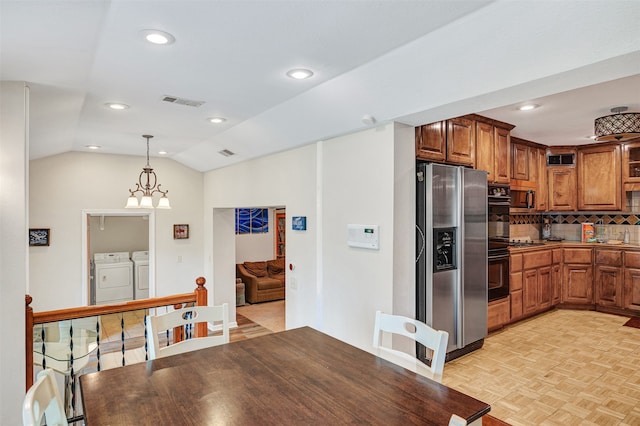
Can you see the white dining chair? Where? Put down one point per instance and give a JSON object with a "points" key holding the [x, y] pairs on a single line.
{"points": [[435, 340], [43, 400], [181, 317]]}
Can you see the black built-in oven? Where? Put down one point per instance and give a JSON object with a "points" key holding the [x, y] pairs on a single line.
{"points": [[499, 202]]}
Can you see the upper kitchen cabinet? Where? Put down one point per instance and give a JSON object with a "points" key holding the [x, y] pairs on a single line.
{"points": [[519, 161], [542, 194], [599, 177], [461, 141], [631, 165], [451, 141], [431, 142], [562, 181], [493, 140]]}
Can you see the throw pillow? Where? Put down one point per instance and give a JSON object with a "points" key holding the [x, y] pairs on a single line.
{"points": [[275, 267], [259, 269]]}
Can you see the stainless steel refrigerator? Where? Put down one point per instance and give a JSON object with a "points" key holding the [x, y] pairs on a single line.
{"points": [[451, 244]]}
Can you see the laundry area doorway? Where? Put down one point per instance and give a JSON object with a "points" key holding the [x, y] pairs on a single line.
{"points": [[118, 247]]}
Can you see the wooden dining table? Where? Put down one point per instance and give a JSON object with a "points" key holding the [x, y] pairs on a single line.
{"points": [[299, 376]]}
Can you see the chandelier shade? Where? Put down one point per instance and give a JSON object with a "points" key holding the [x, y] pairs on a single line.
{"points": [[620, 126], [147, 185]]}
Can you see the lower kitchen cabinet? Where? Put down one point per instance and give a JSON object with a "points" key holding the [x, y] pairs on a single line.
{"points": [[515, 285], [631, 299], [498, 313], [608, 281], [544, 288], [608, 277], [577, 277], [530, 292], [577, 285]]}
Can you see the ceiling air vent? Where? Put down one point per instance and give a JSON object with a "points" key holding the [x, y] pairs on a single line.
{"points": [[182, 101], [226, 153]]}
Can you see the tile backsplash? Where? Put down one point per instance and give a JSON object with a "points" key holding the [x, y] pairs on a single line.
{"points": [[568, 225]]}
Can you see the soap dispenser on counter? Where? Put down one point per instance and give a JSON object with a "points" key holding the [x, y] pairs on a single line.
{"points": [[626, 236], [546, 229]]}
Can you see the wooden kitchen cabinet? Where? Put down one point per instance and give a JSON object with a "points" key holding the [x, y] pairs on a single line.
{"points": [[498, 313], [562, 189], [450, 141], [599, 177], [536, 281], [515, 285], [577, 279], [502, 163], [631, 162], [608, 277], [519, 161], [492, 152], [542, 192], [631, 298], [461, 141], [556, 276], [431, 142]]}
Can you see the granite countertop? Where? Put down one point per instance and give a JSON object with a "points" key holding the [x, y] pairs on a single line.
{"points": [[565, 243]]}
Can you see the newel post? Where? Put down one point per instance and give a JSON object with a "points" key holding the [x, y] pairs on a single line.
{"points": [[28, 340], [201, 300]]}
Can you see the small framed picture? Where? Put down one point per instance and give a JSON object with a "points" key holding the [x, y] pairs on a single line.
{"points": [[39, 237], [180, 232]]}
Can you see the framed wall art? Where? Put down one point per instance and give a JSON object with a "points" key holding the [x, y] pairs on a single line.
{"points": [[180, 232], [39, 236]]}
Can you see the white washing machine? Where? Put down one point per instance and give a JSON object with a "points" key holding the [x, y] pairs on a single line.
{"points": [[113, 277], [140, 274]]}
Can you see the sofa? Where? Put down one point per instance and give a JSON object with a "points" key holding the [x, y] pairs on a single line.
{"points": [[264, 281]]}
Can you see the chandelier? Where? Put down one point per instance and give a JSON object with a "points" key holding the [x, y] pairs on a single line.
{"points": [[147, 186], [620, 126]]}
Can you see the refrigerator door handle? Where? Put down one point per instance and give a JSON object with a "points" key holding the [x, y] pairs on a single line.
{"points": [[421, 251]]}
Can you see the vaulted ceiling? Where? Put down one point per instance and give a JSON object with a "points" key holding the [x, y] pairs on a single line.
{"points": [[406, 61]]}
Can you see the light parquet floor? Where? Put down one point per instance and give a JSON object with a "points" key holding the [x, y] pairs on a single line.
{"points": [[560, 368]]}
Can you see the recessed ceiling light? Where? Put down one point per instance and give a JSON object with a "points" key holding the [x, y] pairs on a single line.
{"points": [[162, 152], [158, 37], [300, 73], [93, 146], [590, 137], [528, 107], [217, 120], [118, 106]]}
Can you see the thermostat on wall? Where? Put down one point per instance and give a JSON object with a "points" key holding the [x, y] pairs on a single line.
{"points": [[364, 236]]}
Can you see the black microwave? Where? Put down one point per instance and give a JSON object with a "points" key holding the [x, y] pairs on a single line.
{"points": [[523, 198]]}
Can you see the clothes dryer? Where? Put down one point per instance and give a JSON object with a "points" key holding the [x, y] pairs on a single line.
{"points": [[113, 280], [140, 274]]}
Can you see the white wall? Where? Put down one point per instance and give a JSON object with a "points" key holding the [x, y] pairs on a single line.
{"points": [[64, 185], [350, 179], [118, 234], [287, 179], [14, 146]]}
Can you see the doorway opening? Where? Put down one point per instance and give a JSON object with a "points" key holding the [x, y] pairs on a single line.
{"points": [[120, 245]]}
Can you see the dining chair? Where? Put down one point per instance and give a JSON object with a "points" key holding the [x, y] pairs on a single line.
{"points": [[435, 340], [43, 400], [185, 316]]}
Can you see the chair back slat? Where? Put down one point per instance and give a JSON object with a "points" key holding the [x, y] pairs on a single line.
{"points": [[435, 340], [43, 400], [187, 317]]}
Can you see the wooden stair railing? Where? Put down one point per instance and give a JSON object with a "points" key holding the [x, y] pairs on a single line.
{"points": [[198, 297]]}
